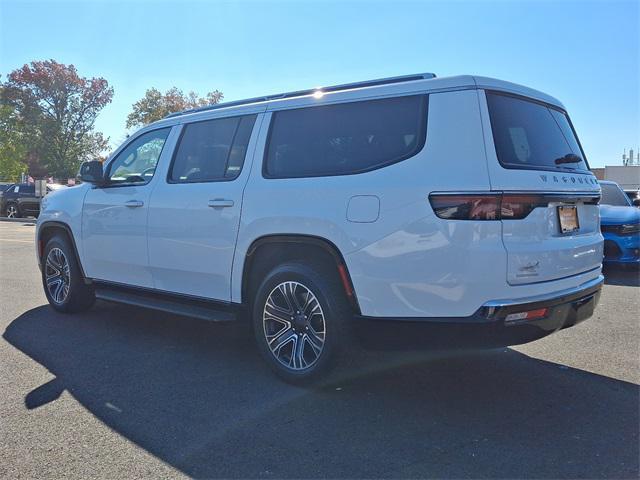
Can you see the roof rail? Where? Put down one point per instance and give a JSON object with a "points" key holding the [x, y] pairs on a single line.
{"points": [[310, 91]]}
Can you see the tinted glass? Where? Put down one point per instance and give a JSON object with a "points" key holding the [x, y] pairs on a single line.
{"points": [[346, 138], [28, 189], [612, 195], [137, 162], [212, 150], [531, 135]]}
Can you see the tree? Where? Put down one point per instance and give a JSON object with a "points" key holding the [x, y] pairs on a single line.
{"points": [[12, 147], [57, 110], [155, 105]]}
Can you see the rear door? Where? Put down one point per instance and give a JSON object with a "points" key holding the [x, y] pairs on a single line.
{"points": [[550, 218], [195, 209]]}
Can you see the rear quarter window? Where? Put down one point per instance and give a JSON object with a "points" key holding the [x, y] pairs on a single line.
{"points": [[346, 138], [532, 135]]}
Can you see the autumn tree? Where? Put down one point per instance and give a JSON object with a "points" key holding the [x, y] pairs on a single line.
{"points": [[155, 105], [57, 109]]}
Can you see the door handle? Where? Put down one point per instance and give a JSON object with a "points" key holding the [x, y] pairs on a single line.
{"points": [[134, 203], [220, 203]]}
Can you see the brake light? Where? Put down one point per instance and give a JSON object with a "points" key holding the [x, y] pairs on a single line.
{"points": [[516, 207], [482, 206], [466, 207]]}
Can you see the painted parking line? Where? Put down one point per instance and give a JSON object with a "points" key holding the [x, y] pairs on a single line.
{"points": [[13, 240]]}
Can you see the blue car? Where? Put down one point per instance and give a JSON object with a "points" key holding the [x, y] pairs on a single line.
{"points": [[620, 225]]}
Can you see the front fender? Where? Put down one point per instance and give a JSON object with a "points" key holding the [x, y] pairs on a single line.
{"points": [[62, 208]]}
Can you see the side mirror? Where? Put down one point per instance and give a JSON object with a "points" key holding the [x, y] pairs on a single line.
{"points": [[636, 202], [91, 172]]}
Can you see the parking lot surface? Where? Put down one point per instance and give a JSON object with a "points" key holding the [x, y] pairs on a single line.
{"points": [[123, 392]]}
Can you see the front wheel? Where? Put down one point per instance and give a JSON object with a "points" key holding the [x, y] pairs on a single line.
{"points": [[300, 319], [62, 278], [13, 211]]}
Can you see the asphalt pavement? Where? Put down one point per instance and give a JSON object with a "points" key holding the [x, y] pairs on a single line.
{"points": [[121, 392]]}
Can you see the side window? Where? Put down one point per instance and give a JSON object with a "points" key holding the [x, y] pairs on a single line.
{"points": [[28, 189], [346, 138], [136, 164], [212, 150]]}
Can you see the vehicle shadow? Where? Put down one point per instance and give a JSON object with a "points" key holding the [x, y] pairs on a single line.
{"points": [[197, 396], [625, 277]]}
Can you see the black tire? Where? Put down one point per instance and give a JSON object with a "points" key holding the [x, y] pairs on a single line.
{"points": [[79, 296], [9, 207], [327, 290]]}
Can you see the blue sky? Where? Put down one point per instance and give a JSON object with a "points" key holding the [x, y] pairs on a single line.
{"points": [[585, 53]]}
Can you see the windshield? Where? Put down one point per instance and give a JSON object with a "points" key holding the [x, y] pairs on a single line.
{"points": [[532, 135], [613, 195]]}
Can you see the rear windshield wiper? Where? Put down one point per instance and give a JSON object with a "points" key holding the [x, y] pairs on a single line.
{"points": [[568, 158]]}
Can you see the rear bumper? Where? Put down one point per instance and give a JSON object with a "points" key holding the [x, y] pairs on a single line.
{"points": [[487, 328]]}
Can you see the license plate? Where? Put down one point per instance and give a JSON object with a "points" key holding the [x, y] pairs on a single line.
{"points": [[568, 216]]}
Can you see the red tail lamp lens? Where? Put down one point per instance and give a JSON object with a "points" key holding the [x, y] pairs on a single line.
{"points": [[466, 207], [515, 207], [485, 206]]}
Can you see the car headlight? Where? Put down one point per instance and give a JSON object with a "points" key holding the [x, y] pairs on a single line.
{"points": [[629, 229]]}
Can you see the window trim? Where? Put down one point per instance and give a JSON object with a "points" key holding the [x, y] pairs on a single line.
{"points": [[513, 166], [184, 125], [107, 169], [419, 147]]}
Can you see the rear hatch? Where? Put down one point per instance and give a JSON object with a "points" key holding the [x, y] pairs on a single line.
{"points": [[549, 198]]}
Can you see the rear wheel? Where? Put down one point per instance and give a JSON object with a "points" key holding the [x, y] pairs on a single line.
{"points": [[300, 320], [62, 278]]}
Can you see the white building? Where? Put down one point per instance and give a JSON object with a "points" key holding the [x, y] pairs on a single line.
{"points": [[628, 176]]}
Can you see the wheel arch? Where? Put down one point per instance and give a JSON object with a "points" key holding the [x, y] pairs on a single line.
{"points": [[12, 201], [267, 251], [47, 230]]}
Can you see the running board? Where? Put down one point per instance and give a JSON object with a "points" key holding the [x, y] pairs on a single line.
{"points": [[195, 308]]}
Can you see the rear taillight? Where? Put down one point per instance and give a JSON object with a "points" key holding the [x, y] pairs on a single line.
{"points": [[498, 206], [516, 207], [466, 207]]}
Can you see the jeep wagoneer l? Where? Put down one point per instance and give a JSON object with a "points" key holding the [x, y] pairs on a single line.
{"points": [[462, 201]]}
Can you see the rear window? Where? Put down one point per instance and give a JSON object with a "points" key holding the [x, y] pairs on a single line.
{"points": [[212, 150], [532, 135], [346, 138], [612, 195]]}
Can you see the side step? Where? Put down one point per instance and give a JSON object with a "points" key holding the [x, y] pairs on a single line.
{"points": [[196, 308]]}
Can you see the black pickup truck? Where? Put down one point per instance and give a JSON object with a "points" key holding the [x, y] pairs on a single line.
{"points": [[19, 200]]}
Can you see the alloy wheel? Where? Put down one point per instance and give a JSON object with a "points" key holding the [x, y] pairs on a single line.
{"points": [[12, 211], [294, 325], [57, 275]]}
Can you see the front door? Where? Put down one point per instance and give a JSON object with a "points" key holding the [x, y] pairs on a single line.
{"points": [[194, 212], [29, 203], [114, 217]]}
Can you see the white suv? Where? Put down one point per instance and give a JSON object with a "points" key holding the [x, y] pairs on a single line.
{"points": [[463, 203]]}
